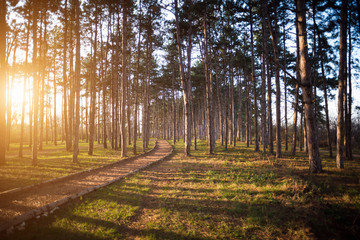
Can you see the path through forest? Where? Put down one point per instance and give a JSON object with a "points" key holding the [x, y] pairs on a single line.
{"points": [[14, 206]]}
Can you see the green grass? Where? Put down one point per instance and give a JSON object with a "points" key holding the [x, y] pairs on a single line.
{"points": [[54, 161], [234, 194]]}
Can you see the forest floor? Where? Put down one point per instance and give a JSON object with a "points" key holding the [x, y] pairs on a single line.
{"points": [[27, 201], [53, 162], [234, 194]]}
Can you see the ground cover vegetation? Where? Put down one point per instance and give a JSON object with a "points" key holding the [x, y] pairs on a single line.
{"points": [[236, 194], [53, 162]]}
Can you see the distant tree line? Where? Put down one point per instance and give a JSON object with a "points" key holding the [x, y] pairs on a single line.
{"points": [[210, 70]]}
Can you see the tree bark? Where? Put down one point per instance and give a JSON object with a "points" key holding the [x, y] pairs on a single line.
{"points": [[274, 37], [269, 87], [314, 155], [3, 27], [24, 92], [77, 83], [241, 136], [137, 82], [65, 111], [254, 83], [55, 94], [349, 122], [208, 88], [185, 86], [296, 102], [92, 91], [124, 82], [285, 93], [35, 85], [342, 78]]}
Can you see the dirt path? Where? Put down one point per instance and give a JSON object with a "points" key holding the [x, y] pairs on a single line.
{"points": [[15, 205]]}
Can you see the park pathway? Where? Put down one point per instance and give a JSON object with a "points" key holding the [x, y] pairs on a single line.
{"points": [[16, 207]]}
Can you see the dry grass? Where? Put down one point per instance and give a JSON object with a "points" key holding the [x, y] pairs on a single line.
{"points": [[234, 194], [53, 162]]}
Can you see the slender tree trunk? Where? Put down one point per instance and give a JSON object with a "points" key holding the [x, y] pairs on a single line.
{"points": [[8, 111], [185, 85], [274, 37], [174, 107], [98, 125], [296, 102], [104, 68], [35, 85], [77, 83], [137, 83], [254, 83], [93, 92], [342, 77], [241, 136], [208, 88], [55, 93], [124, 82], [269, 86], [3, 27], [43, 73], [314, 155], [285, 93], [65, 111], [220, 108], [247, 108], [349, 122], [301, 142], [24, 93], [226, 110]]}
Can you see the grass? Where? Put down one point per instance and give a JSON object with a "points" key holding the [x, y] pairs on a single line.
{"points": [[234, 194], [54, 161]]}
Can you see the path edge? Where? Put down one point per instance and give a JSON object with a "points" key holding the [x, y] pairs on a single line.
{"points": [[8, 227], [15, 190]]}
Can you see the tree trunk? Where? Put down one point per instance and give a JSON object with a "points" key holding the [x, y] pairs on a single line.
{"points": [[65, 112], [43, 73], [285, 93], [174, 106], [254, 83], [342, 78], [185, 86], [208, 88], [71, 81], [77, 83], [3, 27], [314, 155], [137, 83], [124, 83], [24, 92], [241, 136], [274, 37], [55, 93], [296, 102], [301, 142], [220, 108], [35, 85], [348, 125], [269, 87], [93, 92]]}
